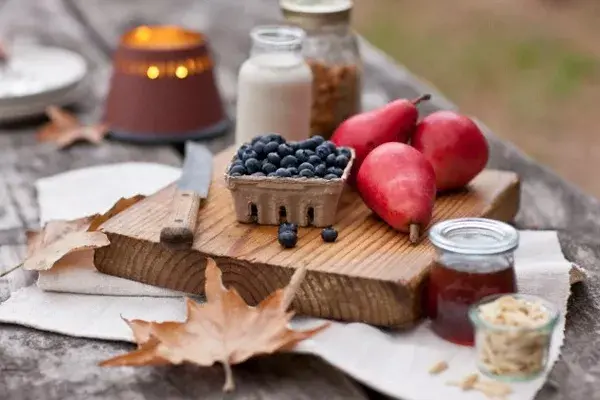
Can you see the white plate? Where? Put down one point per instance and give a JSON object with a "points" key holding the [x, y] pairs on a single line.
{"points": [[38, 77], [35, 70]]}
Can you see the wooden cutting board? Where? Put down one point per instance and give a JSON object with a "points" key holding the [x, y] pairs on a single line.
{"points": [[370, 274]]}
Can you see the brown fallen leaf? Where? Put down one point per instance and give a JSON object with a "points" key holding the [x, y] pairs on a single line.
{"points": [[64, 129], [59, 238], [224, 329]]}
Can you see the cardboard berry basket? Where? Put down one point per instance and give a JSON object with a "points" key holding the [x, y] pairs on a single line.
{"points": [[272, 200]]}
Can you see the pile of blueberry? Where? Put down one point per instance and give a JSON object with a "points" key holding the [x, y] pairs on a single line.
{"points": [[271, 155], [287, 235]]}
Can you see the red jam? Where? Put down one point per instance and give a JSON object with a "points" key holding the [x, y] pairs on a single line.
{"points": [[455, 285]]}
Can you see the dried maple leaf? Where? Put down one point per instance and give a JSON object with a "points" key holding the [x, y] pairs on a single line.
{"points": [[224, 329], [59, 238], [64, 129]]}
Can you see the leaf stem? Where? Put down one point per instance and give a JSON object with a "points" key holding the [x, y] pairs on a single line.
{"points": [[3, 274], [229, 384], [292, 287]]}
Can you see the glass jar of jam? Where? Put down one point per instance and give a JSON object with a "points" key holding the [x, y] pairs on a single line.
{"points": [[474, 259]]}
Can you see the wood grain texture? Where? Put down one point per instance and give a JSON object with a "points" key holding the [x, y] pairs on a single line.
{"points": [[370, 274]]}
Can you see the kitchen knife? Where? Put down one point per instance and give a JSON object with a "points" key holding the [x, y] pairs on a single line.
{"points": [[191, 189]]}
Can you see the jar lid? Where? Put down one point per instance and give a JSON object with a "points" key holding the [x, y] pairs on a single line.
{"points": [[313, 12], [474, 236]]}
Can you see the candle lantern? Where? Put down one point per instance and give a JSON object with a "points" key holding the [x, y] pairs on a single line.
{"points": [[163, 87]]}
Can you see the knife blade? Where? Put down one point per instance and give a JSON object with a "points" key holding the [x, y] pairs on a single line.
{"points": [[191, 188]]}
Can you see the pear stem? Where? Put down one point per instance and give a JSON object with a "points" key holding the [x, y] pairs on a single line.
{"points": [[421, 98], [413, 235]]}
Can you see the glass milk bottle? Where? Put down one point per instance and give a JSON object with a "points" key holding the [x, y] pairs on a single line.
{"points": [[274, 86]]}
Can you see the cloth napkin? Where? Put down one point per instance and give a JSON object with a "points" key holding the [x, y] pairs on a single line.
{"points": [[83, 302]]}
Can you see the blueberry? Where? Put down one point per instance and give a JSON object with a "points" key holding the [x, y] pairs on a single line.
{"points": [[242, 149], [307, 166], [259, 148], [283, 173], [294, 145], [287, 239], [289, 161], [293, 171], [331, 160], [256, 139], [341, 161], [330, 145], [330, 176], [323, 151], [309, 152], [252, 165], [314, 160], [320, 170], [273, 158], [238, 169], [235, 174], [344, 151], [258, 174], [286, 226], [267, 167], [271, 147], [284, 150], [307, 173], [301, 155], [237, 163], [318, 139], [335, 171], [273, 137], [272, 174], [249, 154], [307, 144], [329, 234]]}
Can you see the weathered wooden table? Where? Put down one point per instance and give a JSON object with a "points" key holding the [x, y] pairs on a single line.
{"points": [[37, 365]]}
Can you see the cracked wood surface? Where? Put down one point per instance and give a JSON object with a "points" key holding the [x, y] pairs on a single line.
{"points": [[37, 365]]}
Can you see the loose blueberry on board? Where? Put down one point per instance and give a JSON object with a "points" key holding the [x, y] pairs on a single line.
{"points": [[267, 167], [287, 239], [307, 173], [314, 160], [252, 165], [329, 234], [341, 161], [330, 176], [287, 226], [284, 150], [274, 158], [321, 170], [283, 173], [289, 161]]}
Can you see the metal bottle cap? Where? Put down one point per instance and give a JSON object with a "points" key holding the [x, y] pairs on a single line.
{"points": [[314, 13]]}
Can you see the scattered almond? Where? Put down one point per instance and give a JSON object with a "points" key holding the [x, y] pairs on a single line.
{"points": [[491, 389], [467, 383], [438, 367]]}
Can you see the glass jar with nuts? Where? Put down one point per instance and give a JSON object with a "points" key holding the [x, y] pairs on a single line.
{"points": [[331, 50]]}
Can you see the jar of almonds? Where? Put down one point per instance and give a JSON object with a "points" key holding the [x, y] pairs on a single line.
{"points": [[331, 50]]}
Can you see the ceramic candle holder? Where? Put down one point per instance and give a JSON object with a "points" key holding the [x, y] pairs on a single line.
{"points": [[163, 87]]}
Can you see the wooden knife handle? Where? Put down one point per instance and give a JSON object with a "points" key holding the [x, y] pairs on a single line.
{"points": [[178, 234]]}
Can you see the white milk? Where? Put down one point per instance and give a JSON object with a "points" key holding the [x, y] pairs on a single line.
{"points": [[274, 87]]}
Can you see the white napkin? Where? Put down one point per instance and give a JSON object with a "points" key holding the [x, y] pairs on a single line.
{"points": [[395, 363]]}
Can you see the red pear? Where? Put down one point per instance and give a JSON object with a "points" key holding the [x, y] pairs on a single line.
{"points": [[398, 184], [394, 122], [454, 146]]}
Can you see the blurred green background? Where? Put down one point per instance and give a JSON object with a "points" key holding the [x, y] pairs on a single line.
{"points": [[530, 69]]}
